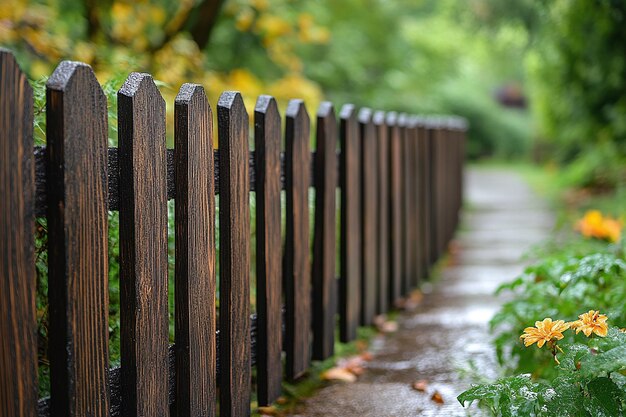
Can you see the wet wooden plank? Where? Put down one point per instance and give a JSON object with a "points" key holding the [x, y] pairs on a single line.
{"points": [[382, 221], [18, 329], [195, 254], [297, 268], [143, 248], [369, 200], [405, 211], [350, 250], [78, 283], [234, 222], [268, 249], [395, 208], [324, 246]]}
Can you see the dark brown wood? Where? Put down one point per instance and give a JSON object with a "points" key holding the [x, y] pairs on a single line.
{"points": [[413, 215], [395, 209], [350, 250], [78, 284], [267, 135], [405, 187], [423, 204], [195, 254], [143, 248], [382, 201], [369, 201], [324, 246], [234, 222], [18, 326], [297, 268]]}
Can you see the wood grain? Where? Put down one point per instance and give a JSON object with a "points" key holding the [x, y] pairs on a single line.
{"points": [[369, 215], [395, 208], [296, 263], [18, 326], [143, 248], [324, 240], [234, 223], [77, 132], [350, 249], [382, 221], [195, 254], [267, 135]]}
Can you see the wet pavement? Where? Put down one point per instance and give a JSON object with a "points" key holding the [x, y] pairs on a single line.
{"points": [[502, 220]]}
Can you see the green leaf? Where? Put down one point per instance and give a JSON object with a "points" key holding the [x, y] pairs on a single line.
{"points": [[604, 398], [606, 362]]}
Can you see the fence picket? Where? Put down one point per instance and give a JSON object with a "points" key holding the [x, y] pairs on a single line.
{"points": [[405, 187], [143, 248], [369, 199], [268, 268], [324, 285], [234, 222], [382, 178], [414, 213], [350, 250], [423, 203], [297, 269], [18, 328], [195, 254], [395, 208], [76, 129]]}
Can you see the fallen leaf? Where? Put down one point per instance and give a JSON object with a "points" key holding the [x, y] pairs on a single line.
{"points": [[437, 398], [353, 364], [367, 356], [282, 400], [338, 374], [389, 327], [267, 411], [420, 385]]}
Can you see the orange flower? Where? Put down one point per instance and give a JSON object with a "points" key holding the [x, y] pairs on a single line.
{"points": [[544, 331], [595, 225], [591, 322]]}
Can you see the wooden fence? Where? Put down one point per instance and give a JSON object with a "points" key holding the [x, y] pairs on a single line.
{"points": [[400, 185]]}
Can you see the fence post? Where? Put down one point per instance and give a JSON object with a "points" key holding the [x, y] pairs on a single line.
{"points": [[234, 222], [297, 268], [18, 331], [405, 211], [195, 254], [77, 142], [324, 285], [350, 250], [369, 200], [382, 221], [143, 248], [267, 137], [423, 196], [395, 208]]}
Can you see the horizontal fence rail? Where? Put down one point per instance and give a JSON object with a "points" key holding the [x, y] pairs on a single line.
{"points": [[387, 192]]}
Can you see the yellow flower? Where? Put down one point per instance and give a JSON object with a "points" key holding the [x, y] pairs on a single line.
{"points": [[591, 322], [595, 225], [544, 331]]}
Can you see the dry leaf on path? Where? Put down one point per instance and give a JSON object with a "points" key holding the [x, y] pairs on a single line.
{"points": [[267, 411], [420, 385], [437, 398], [338, 374]]}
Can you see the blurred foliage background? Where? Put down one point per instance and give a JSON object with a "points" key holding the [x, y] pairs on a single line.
{"points": [[536, 78]]}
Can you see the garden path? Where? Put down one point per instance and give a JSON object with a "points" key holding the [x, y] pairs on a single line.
{"points": [[502, 219]]}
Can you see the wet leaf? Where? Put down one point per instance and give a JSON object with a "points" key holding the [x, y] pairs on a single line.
{"points": [[268, 411], [420, 385], [437, 398], [338, 374]]}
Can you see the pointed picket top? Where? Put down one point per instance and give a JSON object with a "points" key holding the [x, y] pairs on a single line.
{"points": [[391, 118], [189, 92], [403, 119], [266, 104], [348, 111], [326, 109], [296, 109], [378, 118], [230, 100], [137, 83], [365, 115]]}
